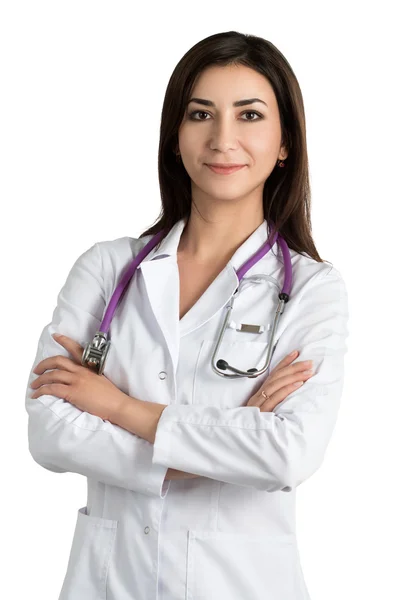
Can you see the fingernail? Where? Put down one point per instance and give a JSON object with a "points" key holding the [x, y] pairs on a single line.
{"points": [[298, 384], [293, 353]]}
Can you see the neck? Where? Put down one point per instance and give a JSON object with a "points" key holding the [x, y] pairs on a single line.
{"points": [[216, 239]]}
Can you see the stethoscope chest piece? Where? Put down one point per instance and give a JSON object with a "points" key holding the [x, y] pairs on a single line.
{"points": [[95, 352]]}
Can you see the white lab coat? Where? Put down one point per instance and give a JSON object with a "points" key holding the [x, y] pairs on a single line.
{"points": [[229, 534]]}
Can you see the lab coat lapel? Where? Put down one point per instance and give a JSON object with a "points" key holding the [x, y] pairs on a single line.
{"points": [[160, 273], [162, 285]]}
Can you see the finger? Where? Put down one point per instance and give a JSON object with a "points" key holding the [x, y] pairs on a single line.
{"points": [[289, 379], [73, 347], [52, 389], [286, 376], [257, 400], [272, 387], [285, 361], [56, 376], [290, 370], [277, 397], [56, 362]]}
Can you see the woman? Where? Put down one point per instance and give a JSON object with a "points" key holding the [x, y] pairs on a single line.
{"points": [[192, 475]]}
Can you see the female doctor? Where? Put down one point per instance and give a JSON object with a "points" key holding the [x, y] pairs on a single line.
{"points": [[192, 468]]}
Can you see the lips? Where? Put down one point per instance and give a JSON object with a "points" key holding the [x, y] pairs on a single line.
{"points": [[225, 170]]}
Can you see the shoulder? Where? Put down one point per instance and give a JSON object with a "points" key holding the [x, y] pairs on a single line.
{"points": [[120, 250], [309, 273], [115, 256], [318, 297]]}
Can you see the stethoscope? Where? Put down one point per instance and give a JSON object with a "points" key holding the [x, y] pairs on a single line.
{"points": [[95, 353]]}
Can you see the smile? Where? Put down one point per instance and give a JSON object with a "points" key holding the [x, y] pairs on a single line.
{"points": [[225, 170]]}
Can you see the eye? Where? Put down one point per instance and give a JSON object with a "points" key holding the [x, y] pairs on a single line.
{"points": [[247, 112]]}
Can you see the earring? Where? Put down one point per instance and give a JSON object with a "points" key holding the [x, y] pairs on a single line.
{"points": [[280, 163], [178, 156]]}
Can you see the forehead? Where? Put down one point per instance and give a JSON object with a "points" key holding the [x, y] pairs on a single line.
{"points": [[230, 83]]}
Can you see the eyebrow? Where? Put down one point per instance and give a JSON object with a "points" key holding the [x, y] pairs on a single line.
{"points": [[237, 103]]}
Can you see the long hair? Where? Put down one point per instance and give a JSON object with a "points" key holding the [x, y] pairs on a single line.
{"points": [[286, 193]]}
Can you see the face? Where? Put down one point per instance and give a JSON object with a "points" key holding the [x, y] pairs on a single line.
{"points": [[249, 134]]}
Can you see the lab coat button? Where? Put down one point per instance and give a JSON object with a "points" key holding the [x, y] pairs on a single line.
{"points": [[162, 374], [146, 530]]}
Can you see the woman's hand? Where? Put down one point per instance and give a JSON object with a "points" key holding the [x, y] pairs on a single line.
{"points": [[281, 382], [77, 384]]}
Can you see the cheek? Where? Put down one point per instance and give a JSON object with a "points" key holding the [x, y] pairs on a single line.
{"points": [[189, 138], [264, 154], [264, 145]]}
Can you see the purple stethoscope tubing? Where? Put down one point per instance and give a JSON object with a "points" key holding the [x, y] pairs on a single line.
{"points": [[95, 353]]}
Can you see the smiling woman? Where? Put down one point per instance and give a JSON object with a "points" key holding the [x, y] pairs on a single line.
{"points": [[232, 115], [249, 141]]}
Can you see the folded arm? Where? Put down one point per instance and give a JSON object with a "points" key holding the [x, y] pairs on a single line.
{"points": [[275, 450], [63, 438]]}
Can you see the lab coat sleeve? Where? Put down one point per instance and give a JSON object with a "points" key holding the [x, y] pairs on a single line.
{"points": [[278, 450], [63, 438]]}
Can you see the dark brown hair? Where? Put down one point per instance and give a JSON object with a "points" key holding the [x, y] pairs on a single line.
{"points": [[286, 194]]}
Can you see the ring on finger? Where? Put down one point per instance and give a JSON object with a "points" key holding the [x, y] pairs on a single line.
{"points": [[265, 395]]}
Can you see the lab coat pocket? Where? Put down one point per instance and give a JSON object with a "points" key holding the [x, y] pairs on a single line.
{"points": [[212, 389], [237, 566], [89, 558]]}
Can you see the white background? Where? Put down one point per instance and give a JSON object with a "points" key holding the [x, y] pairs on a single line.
{"points": [[82, 86]]}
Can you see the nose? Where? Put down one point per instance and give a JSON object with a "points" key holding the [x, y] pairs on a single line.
{"points": [[223, 135]]}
